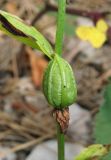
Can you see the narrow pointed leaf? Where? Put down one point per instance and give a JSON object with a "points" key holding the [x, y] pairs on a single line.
{"points": [[96, 150], [102, 132], [16, 28], [107, 157]]}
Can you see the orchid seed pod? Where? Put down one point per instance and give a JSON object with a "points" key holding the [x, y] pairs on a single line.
{"points": [[59, 85]]}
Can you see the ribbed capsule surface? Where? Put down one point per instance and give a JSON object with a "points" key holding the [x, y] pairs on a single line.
{"points": [[59, 85]]}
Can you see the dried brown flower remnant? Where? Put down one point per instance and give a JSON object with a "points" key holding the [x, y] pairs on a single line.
{"points": [[62, 117]]}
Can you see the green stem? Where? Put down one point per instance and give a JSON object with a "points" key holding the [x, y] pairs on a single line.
{"points": [[58, 50], [60, 143], [60, 26]]}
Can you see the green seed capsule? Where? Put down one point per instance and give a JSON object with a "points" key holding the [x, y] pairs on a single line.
{"points": [[59, 85]]}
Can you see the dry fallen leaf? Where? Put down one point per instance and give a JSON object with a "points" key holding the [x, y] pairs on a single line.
{"points": [[38, 65], [11, 7]]}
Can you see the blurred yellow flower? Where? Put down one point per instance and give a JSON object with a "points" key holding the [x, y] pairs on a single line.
{"points": [[96, 35]]}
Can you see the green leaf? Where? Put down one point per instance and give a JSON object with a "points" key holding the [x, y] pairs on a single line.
{"points": [[102, 132], [15, 27], [107, 157], [69, 25], [96, 150]]}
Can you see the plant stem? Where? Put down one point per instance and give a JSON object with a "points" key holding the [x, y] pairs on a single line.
{"points": [[60, 143], [58, 50], [60, 26]]}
